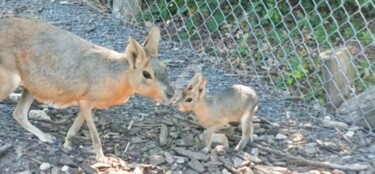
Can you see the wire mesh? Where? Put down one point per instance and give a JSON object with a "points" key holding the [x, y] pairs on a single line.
{"points": [[281, 42]]}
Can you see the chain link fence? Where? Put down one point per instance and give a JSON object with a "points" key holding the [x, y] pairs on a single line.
{"points": [[319, 50]]}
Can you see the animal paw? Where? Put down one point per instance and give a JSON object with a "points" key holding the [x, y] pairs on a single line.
{"points": [[47, 138], [238, 148], [67, 145], [101, 158]]}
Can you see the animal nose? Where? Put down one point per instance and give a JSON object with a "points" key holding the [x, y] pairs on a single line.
{"points": [[170, 92]]}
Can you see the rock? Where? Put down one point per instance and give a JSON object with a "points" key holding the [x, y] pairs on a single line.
{"points": [[225, 171], [279, 163], [79, 159], [190, 154], [296, 137], [349, 134], [180, 159], [174, 134], [245, 170], [65, 168], [355, 128], [284, 131], [38, 115], [137, 140], [169, 158], [254, 151], [310, 149], [180, 142], [329, 145], [190, 171], [65, 160], [196, 165], [221, 150], [237, 161], [327, 118], [280, 136], [5, 148], [157, 159], [138, 170], [44, 166], [15, 96], [88, 169], [371, 157], [220, 139], [55, 170], [163, 136], [336, 171], [265, 137], [73, 170], [307, 125], [213, 163], [269, 169], [161, 112], [249, 157], [371, 148], [333, 124], [313, 172], [188, 139], [25, 172]]}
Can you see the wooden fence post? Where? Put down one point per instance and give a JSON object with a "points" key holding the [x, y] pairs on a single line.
{"points": [[126, 8], [338, 74]]}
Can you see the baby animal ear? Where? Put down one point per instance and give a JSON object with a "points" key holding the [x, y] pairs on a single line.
{"points": [[201, 87], [194, 80]]}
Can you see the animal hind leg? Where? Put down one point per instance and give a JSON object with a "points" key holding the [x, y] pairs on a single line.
{"points": [[247, 130], [20, 115], [8, 82]]}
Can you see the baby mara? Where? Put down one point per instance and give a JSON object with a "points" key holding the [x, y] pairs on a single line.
{"points": [[235, 104]]}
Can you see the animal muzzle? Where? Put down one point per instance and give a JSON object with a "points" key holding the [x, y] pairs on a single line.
{"points": [[169, 94]]}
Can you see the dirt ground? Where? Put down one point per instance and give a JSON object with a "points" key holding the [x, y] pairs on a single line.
{"points": [[144, 138]]}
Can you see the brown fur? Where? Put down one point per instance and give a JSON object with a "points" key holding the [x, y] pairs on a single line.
{"points": [[62, 69], [235, 104]]}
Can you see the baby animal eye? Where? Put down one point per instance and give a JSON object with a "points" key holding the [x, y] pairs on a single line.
{"points": [[189, 100], [146, 75]]}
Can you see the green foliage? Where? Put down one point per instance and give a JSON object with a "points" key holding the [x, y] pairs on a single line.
{"points": [[284, 24]]}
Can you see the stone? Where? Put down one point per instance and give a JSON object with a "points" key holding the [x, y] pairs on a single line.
{"points": [[44, 166], [280, 136], [196, 165], [39, 115], [157, 159]]}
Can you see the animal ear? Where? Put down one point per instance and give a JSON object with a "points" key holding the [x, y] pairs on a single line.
{"points": [[200, 88], [194, 80], [151, 44], [135, 54]]}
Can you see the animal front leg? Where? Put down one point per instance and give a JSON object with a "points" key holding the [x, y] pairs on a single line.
{"points": [[206, 137], [76, 126], [86, 111]]}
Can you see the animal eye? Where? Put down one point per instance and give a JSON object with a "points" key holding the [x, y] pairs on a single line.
{"points": [[189, 100], [146, 75]]}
